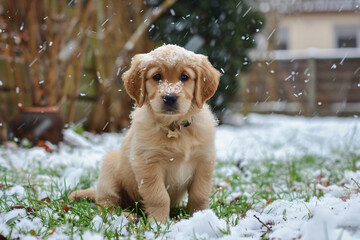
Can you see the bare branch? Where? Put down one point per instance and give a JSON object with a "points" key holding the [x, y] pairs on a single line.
{"points": [[150, 17]]}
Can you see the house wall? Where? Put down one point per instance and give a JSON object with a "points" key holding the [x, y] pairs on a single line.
{"points": [[315, 30]]}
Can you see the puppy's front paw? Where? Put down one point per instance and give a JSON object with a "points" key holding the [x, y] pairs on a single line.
{"points": [[199, 205], [158, 213]]}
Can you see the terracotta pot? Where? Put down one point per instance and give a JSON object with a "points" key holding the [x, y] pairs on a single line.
{"points": [[38, 123]]}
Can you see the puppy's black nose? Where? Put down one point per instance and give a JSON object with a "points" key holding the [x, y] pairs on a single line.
{"points": [[169, 99]]}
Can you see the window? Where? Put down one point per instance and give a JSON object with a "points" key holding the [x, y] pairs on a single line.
{"points": [[347, 36], [282, 39]]}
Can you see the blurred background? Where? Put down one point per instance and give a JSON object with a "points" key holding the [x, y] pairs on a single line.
{"points": [[61, 61]]}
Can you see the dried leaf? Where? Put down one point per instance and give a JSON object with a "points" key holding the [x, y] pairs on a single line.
{"points": [[52, 231], [46, 199], [345, 198], [237, 199], [322, 179], [341, 184], [66, 208], [324, 182], [2, 186], [44, 145], [29, 209]]}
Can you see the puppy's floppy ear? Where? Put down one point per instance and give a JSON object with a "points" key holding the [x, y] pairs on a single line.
{"points": [[134, 80], [207, 81]]}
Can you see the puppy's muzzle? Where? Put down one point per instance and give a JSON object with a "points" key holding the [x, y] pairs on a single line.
{"points": [[170, 105], [169, 99]]}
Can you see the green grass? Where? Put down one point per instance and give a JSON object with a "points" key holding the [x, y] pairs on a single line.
{"points": [[235, 192]]}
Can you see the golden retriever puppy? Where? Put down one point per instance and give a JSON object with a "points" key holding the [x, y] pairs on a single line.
{"points": [[169, 149]]}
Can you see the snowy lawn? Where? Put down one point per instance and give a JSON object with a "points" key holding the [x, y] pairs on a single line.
{"points": [[277, 177]]}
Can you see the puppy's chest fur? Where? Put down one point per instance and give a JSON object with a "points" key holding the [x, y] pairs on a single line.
{"points": [[179, 163], [177, 159], [178, 174]]}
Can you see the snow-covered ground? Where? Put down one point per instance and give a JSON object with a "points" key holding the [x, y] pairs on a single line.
{"points": [[333, 215]]}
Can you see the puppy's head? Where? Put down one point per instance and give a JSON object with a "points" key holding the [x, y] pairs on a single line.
{"points": [[171, 80]]}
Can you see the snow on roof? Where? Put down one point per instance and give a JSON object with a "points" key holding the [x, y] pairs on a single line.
{"points": [[309, 53], [307, 6]]}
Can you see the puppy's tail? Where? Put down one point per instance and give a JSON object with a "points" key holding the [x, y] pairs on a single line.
{"points": [[89, 194]]}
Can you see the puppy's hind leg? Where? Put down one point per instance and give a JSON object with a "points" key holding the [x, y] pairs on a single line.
{"points": [[89, 194], [108, 187]]}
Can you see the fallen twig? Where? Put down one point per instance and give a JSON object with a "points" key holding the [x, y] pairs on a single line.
{"points": [[269, 229]]}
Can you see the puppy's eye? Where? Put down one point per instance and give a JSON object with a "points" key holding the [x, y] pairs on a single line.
{"points": [[157, 77], [184, 77]]}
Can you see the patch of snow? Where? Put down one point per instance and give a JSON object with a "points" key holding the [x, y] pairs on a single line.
{"points": [[321, 226], [281, 137], [97, 222], [119, 223], [7, 217], [29, 237], [16, 213], [72, 176], [91, 236], [26, 224], [19, 191], [203, 225], [75, 139]]}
